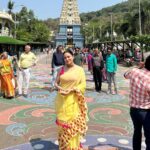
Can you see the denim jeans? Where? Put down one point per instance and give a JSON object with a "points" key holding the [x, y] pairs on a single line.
{"points": [[111, 77], [54, 75], [140, 119]]}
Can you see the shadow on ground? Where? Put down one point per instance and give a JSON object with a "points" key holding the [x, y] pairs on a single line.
{"points": [[110, 146], [38, 144]]}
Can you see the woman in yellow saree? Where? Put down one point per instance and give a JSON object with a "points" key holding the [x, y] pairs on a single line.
{"points": [[70, 105], [6, 75]]}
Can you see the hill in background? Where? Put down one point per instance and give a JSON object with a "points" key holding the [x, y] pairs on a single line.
{"points": [[125, 19]]}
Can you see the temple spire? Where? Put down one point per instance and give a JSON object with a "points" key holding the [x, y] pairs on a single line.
{"points": [[70, 13]]}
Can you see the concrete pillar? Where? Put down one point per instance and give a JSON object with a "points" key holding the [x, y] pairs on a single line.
{"points": [[3, 26]]}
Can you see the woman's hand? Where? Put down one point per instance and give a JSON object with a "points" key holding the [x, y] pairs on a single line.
{"points": [[75, 90], [65, 92], [58, 87]]}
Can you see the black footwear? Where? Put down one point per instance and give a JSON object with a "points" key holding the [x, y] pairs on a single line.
{"points": [[11, 97]]}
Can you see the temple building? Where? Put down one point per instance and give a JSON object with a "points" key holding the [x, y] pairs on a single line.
{"points": [[69, 27], [6, 23]]}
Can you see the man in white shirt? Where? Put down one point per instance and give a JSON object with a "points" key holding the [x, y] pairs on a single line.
{"points": [[26, 61]]}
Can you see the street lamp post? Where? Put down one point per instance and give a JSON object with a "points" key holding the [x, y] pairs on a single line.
{"points": [[140, 23], [15, 27], [111, 23], [140, 29], [85, 33], [93, 33], [100, 32], [16, 19]]}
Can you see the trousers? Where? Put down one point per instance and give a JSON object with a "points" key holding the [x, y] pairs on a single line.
{"points": [[54, 75], [97, 74], [111, 76], [140, 119], [23, 81]]}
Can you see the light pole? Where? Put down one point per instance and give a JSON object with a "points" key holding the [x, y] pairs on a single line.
{"points": [[85, 32], [15, 27], [93, 33], [100, 32], [140, 23], [140, 29], [111, 25], [16, 18]]}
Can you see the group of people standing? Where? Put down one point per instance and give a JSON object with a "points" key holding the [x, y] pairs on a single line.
{"points": [[70, 105], [14, 74], [102, 69], [68, 78]]}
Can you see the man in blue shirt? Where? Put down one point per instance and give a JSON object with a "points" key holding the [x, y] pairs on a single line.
{"points": [[57, 63], [111, 68]]}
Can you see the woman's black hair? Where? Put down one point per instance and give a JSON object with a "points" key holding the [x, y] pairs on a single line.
{"points": [[147, 63], [68, 51], [58, 47]]}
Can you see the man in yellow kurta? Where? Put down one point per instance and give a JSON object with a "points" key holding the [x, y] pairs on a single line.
{"points": [[26, 61]]}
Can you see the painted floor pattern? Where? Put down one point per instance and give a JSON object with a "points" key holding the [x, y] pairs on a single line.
{"points": [[29, 123]]}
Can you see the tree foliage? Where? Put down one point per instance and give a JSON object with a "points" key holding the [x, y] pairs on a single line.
{"points": [[125, 20], [10, 6], [95, 25], [29, 28]]}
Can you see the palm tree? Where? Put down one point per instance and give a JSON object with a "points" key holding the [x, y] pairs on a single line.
{"points": [[10, 6]]}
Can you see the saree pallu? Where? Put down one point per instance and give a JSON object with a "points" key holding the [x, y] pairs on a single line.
{"points": [[72, 112], [7, 87]]}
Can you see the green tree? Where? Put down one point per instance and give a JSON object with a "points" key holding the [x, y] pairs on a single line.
{"points": [[10, 6], [31, 29], [40, 32]]}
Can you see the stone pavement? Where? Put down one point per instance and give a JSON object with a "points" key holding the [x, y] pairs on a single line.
{"points": [[29, 123]]}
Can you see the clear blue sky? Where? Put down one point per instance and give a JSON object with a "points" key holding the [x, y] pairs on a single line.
{"points": [[44, 9]]}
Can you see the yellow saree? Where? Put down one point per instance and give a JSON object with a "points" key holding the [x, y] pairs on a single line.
{"points": [[71, 110], [6, 75]]}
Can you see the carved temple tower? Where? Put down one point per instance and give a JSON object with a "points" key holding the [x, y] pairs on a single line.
{"points": [[69, 27]]}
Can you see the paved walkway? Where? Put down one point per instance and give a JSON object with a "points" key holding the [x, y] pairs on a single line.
{"points": [[29, 123]]}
